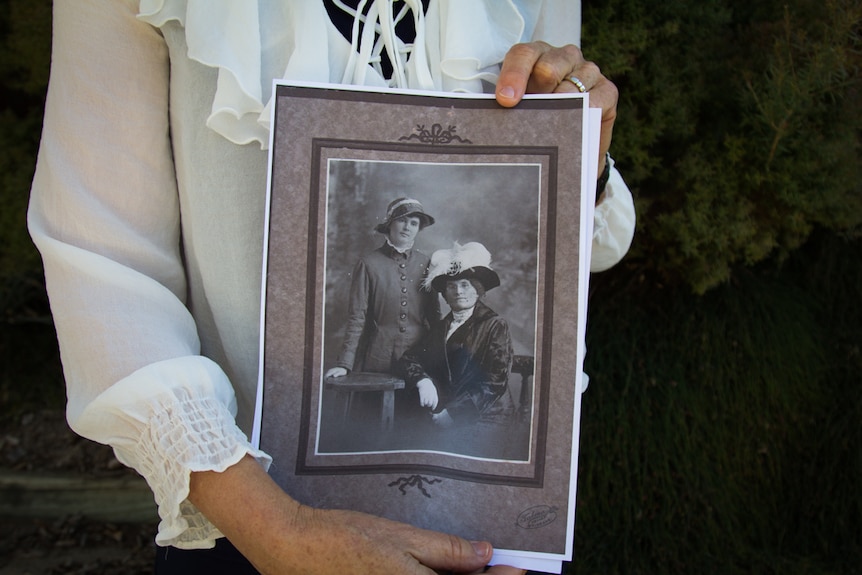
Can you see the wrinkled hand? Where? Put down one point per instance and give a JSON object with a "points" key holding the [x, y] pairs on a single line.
{"points": [[539, 68], [335, 372], [278, 535], [349, 542], [374, 545], [427, 393]]}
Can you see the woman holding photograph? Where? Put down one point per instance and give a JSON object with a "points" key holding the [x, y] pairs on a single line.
{"points": [[148, 206], [388, 311]]}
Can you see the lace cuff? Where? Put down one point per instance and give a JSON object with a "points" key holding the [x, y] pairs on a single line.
{"points": [[167, 420], [184, 435]]}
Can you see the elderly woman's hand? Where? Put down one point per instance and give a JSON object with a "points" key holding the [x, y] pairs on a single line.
{"points": [[278, 535], [539, 68]]}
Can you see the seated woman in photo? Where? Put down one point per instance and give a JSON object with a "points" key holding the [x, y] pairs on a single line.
{"points": [[461, 368]]}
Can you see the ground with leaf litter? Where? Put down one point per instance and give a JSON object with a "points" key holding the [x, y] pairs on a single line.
{"points": [[40, 444]]}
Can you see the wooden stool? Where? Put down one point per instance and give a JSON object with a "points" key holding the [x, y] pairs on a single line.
{"points": [[355, 382]]}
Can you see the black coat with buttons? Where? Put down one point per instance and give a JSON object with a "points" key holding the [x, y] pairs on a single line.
{"points": [[389, 311]]}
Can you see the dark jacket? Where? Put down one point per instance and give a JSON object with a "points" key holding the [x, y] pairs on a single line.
{"points": [[470, 371], [388, 309]]}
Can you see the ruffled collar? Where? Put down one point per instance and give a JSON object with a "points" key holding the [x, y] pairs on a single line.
{"points": [[458, 46], [398, 250]]}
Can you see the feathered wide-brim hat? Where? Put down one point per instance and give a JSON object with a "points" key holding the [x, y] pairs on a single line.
{"points": [[404, 207], [470, 261]]}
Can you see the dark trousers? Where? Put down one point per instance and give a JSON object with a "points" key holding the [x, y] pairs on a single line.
{"points": [[222, 559]]}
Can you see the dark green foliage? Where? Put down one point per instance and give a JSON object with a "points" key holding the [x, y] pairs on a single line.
{"points": [[721, 432], [738, 127]]}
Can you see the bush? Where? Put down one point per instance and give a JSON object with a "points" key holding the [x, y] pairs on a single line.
{"points": [[738, 127]]}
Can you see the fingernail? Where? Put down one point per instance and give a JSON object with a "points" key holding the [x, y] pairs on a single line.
{"points": [[506, 92], [482, 548]]}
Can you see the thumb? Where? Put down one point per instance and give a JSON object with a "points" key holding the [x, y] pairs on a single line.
{"points": [[452, 553]]}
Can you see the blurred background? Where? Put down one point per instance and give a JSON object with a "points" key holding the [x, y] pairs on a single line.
{"points": [[722, 429]]}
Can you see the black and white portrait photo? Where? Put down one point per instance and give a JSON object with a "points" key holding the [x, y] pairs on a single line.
{"points": [[410, 362]]}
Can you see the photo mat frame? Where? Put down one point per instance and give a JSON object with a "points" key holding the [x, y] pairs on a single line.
{"points": [[510, 179]]}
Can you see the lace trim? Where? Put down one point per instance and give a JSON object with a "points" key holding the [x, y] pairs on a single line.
{"points": [[166, 420], [185, 434], [189, 434]]}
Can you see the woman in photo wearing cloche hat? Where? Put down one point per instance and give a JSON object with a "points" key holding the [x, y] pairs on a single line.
{"points": [[461, 368], [388, 310]]}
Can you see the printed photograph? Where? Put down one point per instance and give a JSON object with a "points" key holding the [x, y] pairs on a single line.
{"points": [[430, 302], [421, 310]]}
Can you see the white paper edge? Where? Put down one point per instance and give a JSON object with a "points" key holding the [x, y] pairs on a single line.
{"points": [[258, 400]]}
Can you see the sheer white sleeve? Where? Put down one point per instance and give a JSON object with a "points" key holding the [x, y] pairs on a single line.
{"points": [[558, 22], [104, 213], [613, 224]]}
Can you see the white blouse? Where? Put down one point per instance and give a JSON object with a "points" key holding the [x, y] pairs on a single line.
{"points": [[148, 202]]}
